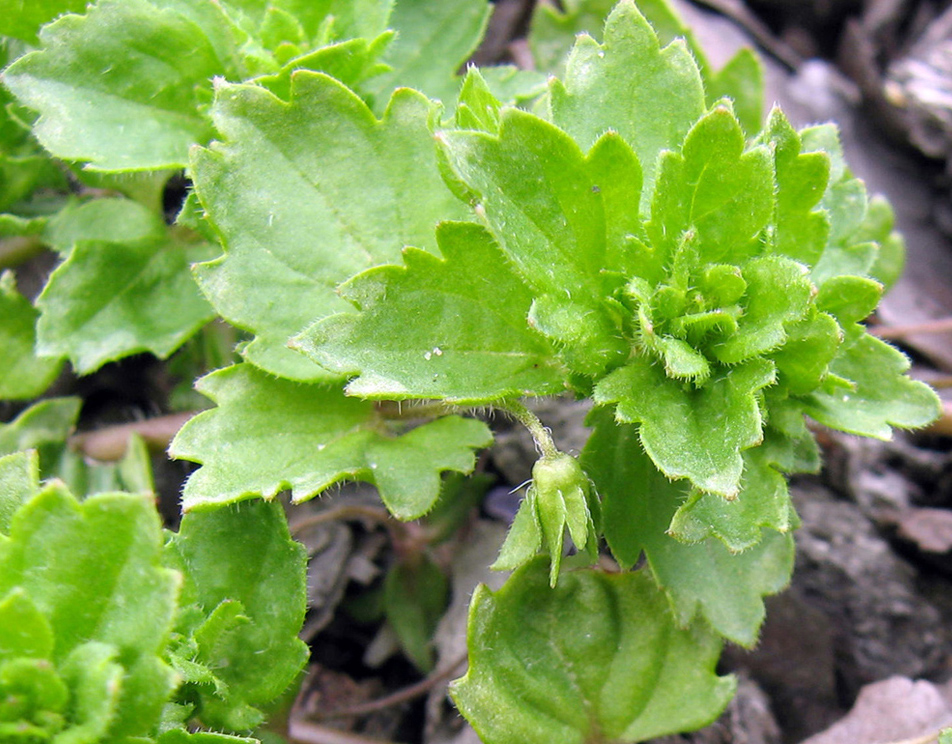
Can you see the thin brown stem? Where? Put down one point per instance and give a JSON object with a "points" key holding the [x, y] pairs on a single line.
{"points": [[757, 29], [942, 325], [349, 511], [110, 443], [399, 697]]}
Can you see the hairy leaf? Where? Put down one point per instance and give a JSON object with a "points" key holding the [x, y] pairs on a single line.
{"points": [[109, 300], [879, 394], [415, 597], [143, 113], [652, 110], [702, 578], [23, 374], [211, 550], [19, 480], [469, 342], [108, 603], [269, 434], [697, 434], [304, 198], [597, 658]]}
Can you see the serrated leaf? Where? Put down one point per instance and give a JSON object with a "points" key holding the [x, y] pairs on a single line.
{"points": [[714, 188], [692, 433], [19, 480], [142, 114], [561, 219], [350, 18], [762, 502], [352, 62], [652, 110], [303, 196], [881, 395], [597, 658], [181, 736], [801, 228], [704, 578], [23, 375], [453, 329], [270, 434], [255, 660], [44, 423], [433, 41], [108, 602], [145, 289], [415, 596]]}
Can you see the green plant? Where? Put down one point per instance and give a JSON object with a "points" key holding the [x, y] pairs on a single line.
{"points": [[639, 238]]}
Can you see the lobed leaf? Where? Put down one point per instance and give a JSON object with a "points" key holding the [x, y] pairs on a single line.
{"points": [[652, 111], [142, 114], [306, 194], [453, 329], [702, 578], [714, 423], [879, 395], [597, 658], [48, 422], [251, 661], [269, 434], [109, 300], [108, 602]]}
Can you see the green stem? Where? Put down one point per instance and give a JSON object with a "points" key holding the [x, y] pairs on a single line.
{"points": [[541, 435]]}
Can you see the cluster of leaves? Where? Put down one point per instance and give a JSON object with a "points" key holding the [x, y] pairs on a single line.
{"points": [[132, 635], [640, 238]]}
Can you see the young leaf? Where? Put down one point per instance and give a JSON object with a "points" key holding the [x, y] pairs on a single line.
{"points": [[713, 424], [703, 578], [543, 202], [306, 194], [470, 342], [652, 111], [800, 227], [23, 375], [145, 289], [255, 660], [269, 434], [433, 41], [714, 188], [553, 31], [139, 115], [597, 658], [108, 603]]}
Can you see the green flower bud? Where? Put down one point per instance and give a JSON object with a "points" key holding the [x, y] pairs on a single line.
{"points": [[563, 498]]}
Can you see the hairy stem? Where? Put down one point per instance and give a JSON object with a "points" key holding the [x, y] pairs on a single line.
{"points": [[541, 435]]}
